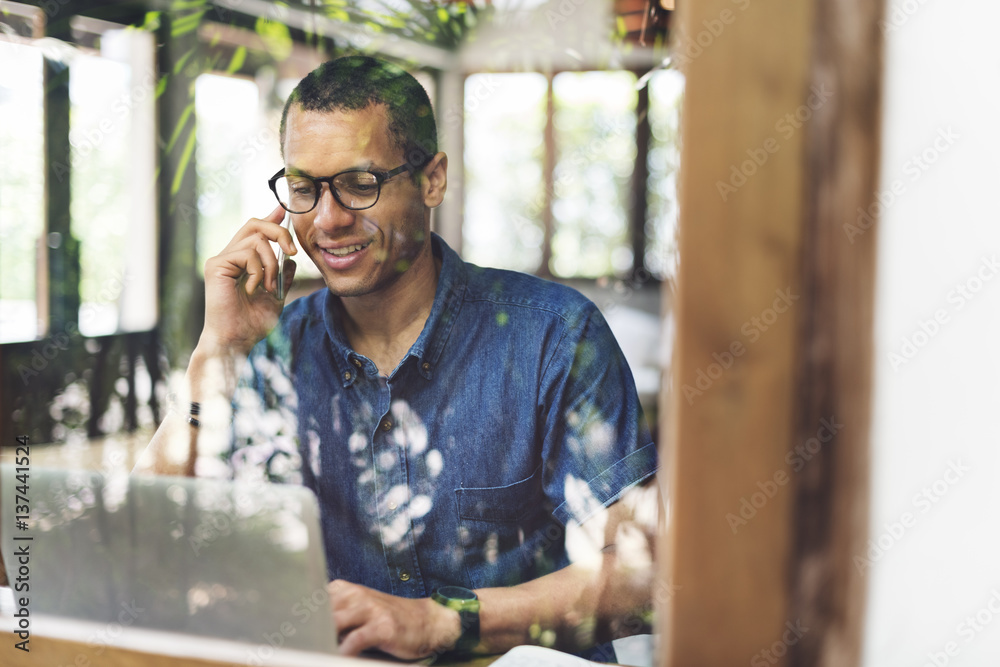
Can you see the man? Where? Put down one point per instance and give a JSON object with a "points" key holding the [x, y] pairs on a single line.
{"points": [[460, 426]]}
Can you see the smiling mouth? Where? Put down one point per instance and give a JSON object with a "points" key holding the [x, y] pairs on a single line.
{"points": [[346, 250]]}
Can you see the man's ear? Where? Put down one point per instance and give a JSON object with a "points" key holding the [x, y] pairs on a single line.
{"points": [[434, 180]]}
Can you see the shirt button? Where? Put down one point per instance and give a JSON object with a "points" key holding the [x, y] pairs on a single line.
{"points": [[347, 375], [426, 366], [357, 362], [392, 505], [404, 576], [386, 425]]}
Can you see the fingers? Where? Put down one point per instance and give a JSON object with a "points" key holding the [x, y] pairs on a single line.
{"points": [[376, 634], [255, 272], [364, 619], [251, 260], [277, 215], [252, 256], [350, 616], [268, 228]]}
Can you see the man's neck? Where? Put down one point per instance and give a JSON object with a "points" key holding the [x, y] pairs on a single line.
{"points": [[383, 326]]}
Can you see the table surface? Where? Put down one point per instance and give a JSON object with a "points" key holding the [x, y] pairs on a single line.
{"points": [[51, 650]]}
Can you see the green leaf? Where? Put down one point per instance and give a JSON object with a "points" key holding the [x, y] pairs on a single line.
{"points": [[151, 21], [181, 122], [186, 24], [239, 57], [276, 38], [185, 159], [179, 65]]}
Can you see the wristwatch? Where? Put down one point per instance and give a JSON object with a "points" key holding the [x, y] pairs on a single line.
{"points": [[466, 603]]}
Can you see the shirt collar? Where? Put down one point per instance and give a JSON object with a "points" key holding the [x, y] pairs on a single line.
{"points": [[428, 346]]}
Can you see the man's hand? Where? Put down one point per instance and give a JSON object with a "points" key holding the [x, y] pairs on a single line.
{"points": [[404, 627], [240, 283], [240, 309]]}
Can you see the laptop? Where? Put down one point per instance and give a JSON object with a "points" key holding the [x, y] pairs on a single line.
{"points": [[231, 560]]}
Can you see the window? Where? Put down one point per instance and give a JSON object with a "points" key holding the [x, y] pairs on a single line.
{"points": [[585, 196], [504, 185], [113, 195], [22, 203], [666, 88], [111, 174], [595, 139]]}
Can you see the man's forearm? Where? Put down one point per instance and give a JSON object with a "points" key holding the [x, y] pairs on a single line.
{"points": [[571, 609], [605, 594], [210, 381]]}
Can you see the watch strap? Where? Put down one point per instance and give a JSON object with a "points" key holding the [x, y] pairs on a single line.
{"points": [[468, 615]]}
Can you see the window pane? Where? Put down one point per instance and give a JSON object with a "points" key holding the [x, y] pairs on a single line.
{"points": [[22, 203], [112, 182], [504, 188], [99, 196], [595, 134], [666, 90], [237, 151]]}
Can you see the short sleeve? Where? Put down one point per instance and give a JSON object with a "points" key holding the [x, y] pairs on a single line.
{"points": [[597, 443]]}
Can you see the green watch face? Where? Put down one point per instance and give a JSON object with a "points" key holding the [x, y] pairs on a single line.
{"points": [[456, 593], [457, 598]]}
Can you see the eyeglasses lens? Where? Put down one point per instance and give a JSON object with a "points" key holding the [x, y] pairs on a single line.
{"points": [[296, 193]]}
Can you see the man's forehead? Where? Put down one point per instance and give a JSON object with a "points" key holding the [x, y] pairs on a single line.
{"points": [[370, 124]]}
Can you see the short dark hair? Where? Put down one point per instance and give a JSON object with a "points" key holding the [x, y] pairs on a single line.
{"points": [[353, 83]]}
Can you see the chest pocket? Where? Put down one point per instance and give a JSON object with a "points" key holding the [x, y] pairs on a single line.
{"points": [[507, 533]]}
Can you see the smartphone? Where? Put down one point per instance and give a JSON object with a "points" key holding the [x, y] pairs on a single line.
{"points": [[281, 264]]}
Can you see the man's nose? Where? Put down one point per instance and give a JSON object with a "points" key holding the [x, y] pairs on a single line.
{"points": [[330, 215]]}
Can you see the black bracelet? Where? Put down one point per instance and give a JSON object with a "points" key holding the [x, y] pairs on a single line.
{"points": [[193, 414]]}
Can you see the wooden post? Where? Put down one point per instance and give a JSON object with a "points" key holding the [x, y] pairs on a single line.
{"points": [[830, 521], [182, 296], [765, 453]]}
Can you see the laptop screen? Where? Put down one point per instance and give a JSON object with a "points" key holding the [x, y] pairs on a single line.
{"points": [[232, 560]]}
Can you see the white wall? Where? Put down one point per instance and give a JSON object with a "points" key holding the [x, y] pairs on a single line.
{"points": [[937, 405]]}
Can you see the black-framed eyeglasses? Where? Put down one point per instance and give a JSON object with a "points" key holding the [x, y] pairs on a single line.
{"points": [[354, 189]]}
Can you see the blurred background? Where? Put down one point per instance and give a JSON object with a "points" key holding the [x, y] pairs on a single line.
{"points": [[136, 137], [159, 130]]}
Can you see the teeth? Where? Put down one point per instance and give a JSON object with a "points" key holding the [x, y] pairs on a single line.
{"points": [[347, 250]]}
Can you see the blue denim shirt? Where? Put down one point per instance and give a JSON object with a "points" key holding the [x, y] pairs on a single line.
{"points": [[513, 413]]}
